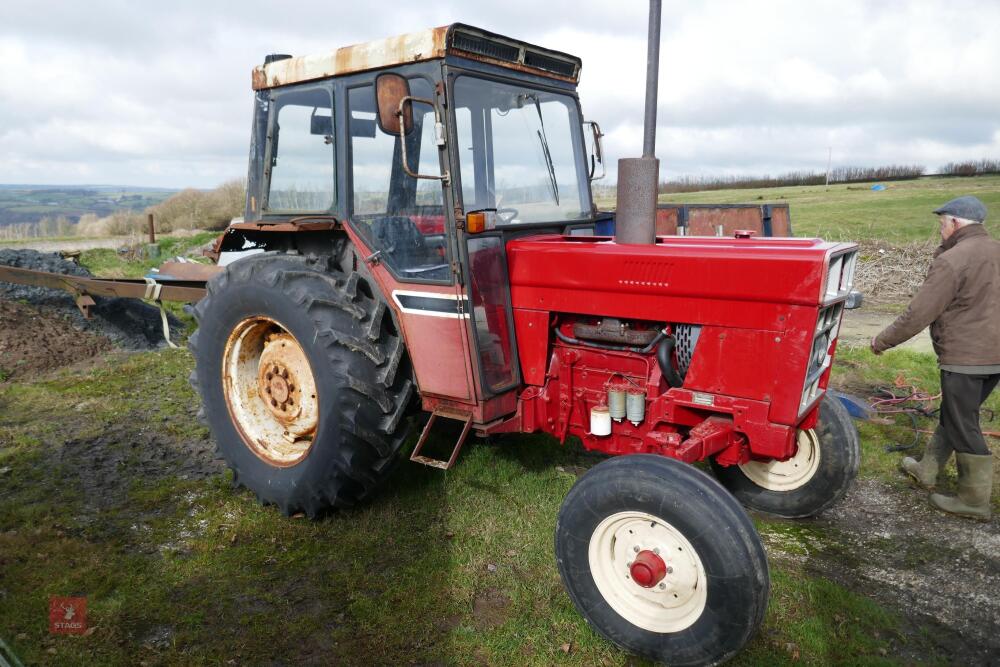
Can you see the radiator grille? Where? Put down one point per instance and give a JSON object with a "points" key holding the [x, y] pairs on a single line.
{"points": [[686, 336]]}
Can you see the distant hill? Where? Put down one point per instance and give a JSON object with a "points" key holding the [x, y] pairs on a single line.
{"points": [[21, 203]]}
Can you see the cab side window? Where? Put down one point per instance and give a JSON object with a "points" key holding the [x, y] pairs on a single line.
{"points": [[300, 163], [401, 217]]}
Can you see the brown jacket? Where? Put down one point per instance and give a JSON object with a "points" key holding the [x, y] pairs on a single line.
{"points": [[960, 300]]}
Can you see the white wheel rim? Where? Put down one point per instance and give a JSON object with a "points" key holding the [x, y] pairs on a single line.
{"points": [[672, 605], [791, 474], [270, 391]]}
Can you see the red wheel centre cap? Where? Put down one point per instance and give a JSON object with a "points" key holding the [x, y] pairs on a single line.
{"points": [[648, 569]]}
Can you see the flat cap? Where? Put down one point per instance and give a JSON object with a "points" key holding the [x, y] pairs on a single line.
{"points": [[967, 207]]}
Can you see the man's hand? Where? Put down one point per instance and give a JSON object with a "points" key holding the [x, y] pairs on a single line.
{"points": [[874, 347]]}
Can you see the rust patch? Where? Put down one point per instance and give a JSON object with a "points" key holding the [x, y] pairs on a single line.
{"points": [[411, 47], [290, 226]]}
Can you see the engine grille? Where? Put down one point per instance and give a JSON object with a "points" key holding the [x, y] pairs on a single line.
{"points": [[686, 336]]}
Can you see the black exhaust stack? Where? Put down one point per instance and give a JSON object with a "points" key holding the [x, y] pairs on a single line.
{"points": [[638, 178]]}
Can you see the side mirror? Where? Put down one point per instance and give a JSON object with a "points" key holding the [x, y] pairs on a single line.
{"points": [[390, 91], [596, 151]]}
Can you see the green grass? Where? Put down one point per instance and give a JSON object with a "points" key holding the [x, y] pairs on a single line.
{"points": [[901, 213], [860, 372], [406, 578], [107, 263]]}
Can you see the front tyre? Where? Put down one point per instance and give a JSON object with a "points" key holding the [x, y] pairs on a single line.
{"points": [[662, 561], [820, 472]]}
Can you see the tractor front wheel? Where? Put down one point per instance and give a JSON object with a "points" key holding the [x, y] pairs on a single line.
{"points": [[820, 472], [662, 561], [304, 380]]}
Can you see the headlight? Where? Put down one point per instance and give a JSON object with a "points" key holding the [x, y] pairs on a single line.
{"points": [[827, 329], [839, 279]]}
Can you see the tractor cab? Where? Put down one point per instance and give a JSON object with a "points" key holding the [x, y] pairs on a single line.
{"points": [[429, 149]]}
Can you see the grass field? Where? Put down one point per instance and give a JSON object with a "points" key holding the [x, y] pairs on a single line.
{"points": [[454, 567], [108, 490], [855, 212]]}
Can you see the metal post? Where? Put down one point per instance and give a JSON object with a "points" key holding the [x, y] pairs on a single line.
{"points": [[652, 79], [152, 232], [639, 178], [829, 158]]}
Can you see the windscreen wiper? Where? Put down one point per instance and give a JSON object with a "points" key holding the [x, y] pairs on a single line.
{"points": [[553, 185]]}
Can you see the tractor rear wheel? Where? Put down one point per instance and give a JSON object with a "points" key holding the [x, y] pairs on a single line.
{"points": [[814, 478], [304, 380], [662, 561]]}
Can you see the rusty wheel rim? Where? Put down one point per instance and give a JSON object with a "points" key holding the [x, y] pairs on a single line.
{"points": [[270, 391]]}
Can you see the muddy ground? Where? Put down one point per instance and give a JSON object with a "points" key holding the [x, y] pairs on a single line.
{"points": [[940, 573]]}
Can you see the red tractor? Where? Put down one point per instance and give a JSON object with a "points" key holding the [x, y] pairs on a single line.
{"points": [[420, 236]]}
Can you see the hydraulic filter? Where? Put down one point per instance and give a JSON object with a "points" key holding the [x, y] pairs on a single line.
{"points": [[636, 406], [616, 403]]}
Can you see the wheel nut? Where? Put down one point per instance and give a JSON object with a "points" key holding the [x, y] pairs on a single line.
{"points": [[662, 585], [670, 570], [291, 387], [656, 550], [636, 548], [267, 389], [270, 375], [274, 403]]}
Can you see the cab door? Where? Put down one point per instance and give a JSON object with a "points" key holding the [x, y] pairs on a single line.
{"points": [[404, 224]]}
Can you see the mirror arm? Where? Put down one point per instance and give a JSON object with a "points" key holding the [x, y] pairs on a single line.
{"points": [[438, 129], [598, 151]]}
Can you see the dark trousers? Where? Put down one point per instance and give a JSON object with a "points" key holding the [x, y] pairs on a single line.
{"points": [[961, 396]]}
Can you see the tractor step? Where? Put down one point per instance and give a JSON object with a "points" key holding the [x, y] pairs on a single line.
{"points": [[437, 463]]}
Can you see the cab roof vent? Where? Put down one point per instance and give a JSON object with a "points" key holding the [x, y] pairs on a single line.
{"points": [[484, 47], [549, 64]]}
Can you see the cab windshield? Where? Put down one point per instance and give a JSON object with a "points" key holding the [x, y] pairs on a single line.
{"points": [[520, 152]]}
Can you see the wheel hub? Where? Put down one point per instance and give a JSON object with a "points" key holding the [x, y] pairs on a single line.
{"points": [[631, 554], [792, 473], [270, 391], [648, 569], [282, 363]]}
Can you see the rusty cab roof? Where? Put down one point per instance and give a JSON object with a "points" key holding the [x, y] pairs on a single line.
{"points": [[455, 39]]}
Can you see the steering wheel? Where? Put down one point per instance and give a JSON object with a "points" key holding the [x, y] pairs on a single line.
{"points": [[511, 212]]}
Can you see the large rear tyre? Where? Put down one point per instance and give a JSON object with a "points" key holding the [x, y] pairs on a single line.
{"points": [[662, 561], [304, 381], [817, 476]]}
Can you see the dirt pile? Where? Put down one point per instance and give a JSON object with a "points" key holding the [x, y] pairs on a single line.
{"points": [[128, 323], [32, 340]]}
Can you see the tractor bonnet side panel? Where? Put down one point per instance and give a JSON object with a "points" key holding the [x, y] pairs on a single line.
{"points": [[756, 303]]}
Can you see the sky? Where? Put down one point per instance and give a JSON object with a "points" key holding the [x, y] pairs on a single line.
{"points": [[158, 94]]}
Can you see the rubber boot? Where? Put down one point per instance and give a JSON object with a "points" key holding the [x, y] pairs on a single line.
{"points": [[928, 470], [975, 483]]}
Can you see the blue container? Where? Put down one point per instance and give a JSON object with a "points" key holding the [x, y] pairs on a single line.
{"points": [[605, 226]]}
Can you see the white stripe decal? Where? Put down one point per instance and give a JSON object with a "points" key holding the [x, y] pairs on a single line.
{"points": [[423, 303]]}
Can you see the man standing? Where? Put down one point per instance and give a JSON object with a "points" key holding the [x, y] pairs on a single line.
{"points": [[960, 300]]}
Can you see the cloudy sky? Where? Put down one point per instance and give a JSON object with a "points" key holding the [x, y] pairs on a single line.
{"points": [[158, 94]]}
